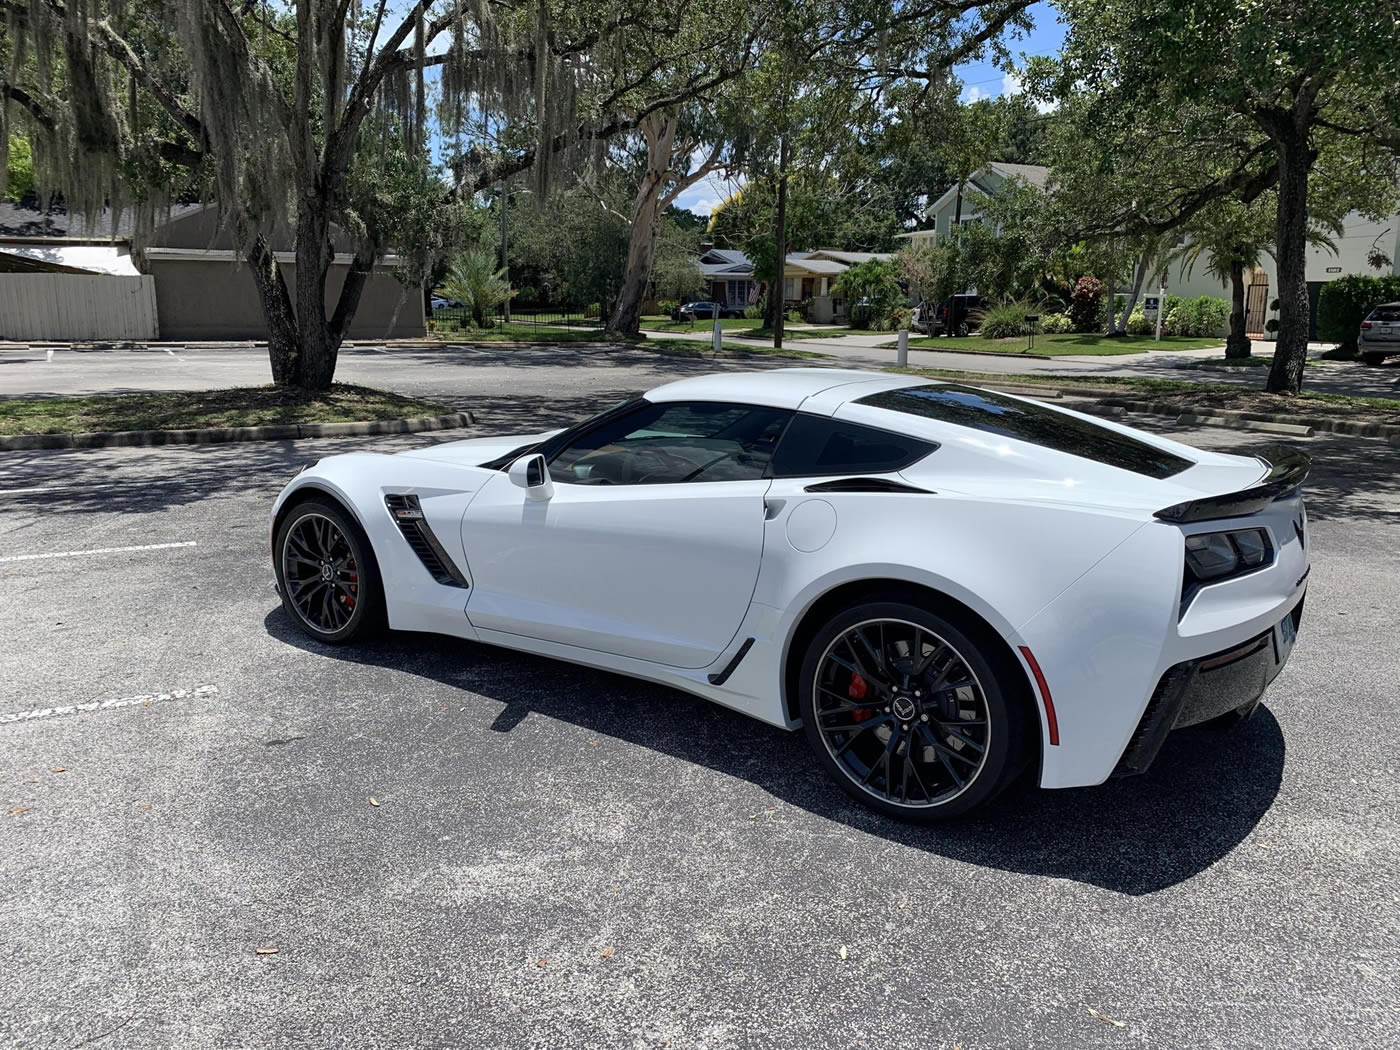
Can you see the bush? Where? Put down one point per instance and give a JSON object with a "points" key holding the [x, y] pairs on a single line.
{"points": [[1140, 324], [1205, 315], [1344, 303], [1086, 304], [755, 312], [1005, 321], [666, 306], [794, 317], [901, 318], [1056, 324]]}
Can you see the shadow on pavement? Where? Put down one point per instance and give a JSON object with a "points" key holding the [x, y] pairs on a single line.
{"points": [[1202, 797]]}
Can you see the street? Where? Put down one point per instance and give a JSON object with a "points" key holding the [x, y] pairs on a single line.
{"points": [[216, 833]]}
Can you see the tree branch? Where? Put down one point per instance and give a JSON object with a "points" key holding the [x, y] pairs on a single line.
{"points": [[36, 110]]}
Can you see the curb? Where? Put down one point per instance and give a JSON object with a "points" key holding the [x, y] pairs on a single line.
{"points": [[224, 435], [982, 353], [1297, 426]]}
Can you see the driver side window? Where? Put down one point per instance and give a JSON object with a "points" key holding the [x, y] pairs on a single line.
{"points": [[673, 443]]}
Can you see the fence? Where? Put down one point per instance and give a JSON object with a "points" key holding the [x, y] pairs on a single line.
{"points": [[72, 306], [526, 320]]}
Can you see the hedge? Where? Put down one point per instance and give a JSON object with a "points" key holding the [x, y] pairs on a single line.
{"points": [[1344, 303]]}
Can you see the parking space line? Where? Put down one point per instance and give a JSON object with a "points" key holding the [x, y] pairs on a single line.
{"points": [[97, 550], [141, 699]]}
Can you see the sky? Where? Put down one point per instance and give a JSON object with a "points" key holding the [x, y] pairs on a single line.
{"points": [[980, 80]]}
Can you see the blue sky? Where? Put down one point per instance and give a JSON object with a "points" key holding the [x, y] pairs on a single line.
{"points": [[980, 80]]}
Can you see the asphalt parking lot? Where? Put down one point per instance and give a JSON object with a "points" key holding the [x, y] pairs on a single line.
{"points": [[452, 846]]}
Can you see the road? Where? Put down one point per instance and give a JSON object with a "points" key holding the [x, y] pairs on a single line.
{"points": [[485, 371], [564, 858]]}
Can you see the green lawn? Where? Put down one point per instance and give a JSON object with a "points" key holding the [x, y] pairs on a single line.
{"points": [[521, 333], [1063, 345], [178, 410]]}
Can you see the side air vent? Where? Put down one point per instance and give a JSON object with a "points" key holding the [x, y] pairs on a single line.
{"points": [[408, 515], [865, 485]]}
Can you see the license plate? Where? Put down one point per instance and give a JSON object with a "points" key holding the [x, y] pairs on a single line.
{"points": [[1287, 635]]}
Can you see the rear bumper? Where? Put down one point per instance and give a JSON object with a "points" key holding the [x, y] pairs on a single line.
{"points": [[1207, 687]]}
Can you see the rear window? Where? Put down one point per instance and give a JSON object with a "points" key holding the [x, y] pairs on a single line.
{"points": [[1385, 314], [817, 445], [998, 414]]}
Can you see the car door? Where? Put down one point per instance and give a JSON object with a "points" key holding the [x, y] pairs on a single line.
{"points": [[649, 544]]}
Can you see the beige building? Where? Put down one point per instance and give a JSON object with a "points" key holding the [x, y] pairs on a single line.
{"points": [[61, 280]]}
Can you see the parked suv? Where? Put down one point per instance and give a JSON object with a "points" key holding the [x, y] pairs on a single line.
{"points": [[933, 319], [1380, 334]]}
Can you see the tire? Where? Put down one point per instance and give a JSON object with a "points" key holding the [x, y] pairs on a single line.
{"points": [[349, 603], [939, 766], [1373, 359]]}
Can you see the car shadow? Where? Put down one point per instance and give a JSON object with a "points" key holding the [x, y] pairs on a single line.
{"points": [[1202, 797]]}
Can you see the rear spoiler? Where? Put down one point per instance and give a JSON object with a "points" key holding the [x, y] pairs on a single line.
{"points": [[1287, 469]]}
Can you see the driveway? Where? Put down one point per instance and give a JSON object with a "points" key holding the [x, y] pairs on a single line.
{"points": [[436, 844]]}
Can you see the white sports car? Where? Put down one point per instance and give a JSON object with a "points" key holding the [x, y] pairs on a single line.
{"points": [[941, 585]]}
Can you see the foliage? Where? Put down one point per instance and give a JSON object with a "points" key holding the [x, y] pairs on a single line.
{"points": [[1006, 320], [916, 264], [1140, 324], [1344, 303], [571, 249], [1205, 315], [876, 282], [756, 311], [1056, 324], [1086, 304], [475, 282], [667, 306], [20, 167]]}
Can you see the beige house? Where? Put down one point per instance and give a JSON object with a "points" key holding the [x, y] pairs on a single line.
{"points": [[806, 275], [64, 279]]}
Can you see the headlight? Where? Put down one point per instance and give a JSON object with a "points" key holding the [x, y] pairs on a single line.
{"points": [[1216, 555]]}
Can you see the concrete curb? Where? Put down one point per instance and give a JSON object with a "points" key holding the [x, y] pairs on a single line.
{"points": [[983, 353], [1296, 426], [223, 435]]}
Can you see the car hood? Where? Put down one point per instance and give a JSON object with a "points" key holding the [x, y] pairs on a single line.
{"points": [[475, 451]]}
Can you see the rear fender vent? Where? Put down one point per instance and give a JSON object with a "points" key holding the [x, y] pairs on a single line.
{"points": [[407, 513]]}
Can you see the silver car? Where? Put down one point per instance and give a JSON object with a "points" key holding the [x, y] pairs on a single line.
{"points": [[1380, 334]]}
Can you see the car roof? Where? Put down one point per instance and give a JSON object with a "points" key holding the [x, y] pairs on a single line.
{"points": [[779, 388]]}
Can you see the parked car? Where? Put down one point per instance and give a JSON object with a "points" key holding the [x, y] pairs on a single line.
{"points": [[762, 540], [932, 318], [703, 309], [1380, 334], [442, 302]]}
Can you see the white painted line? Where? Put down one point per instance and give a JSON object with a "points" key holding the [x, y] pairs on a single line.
{"points": [[49, 356], [97, 550], [143, 699], [173, 354], [37, 488]]}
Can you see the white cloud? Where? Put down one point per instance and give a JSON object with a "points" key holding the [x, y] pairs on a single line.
{"points": [[708, 194], [975, 94], [1012, 84]]}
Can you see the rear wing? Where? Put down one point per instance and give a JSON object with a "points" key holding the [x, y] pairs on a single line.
{"points": [[1288, 467]]}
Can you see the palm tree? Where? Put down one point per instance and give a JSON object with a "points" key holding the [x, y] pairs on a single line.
{"points": [[475, 282]]}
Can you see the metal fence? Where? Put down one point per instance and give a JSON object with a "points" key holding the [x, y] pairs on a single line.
{"points": [[536, 320]]}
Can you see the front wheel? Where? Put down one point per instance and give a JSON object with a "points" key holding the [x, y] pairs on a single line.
{"points": [[909, 714], [327, 573], [1373, 359]]}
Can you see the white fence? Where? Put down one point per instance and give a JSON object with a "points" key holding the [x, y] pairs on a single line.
{"points": [[67, 307]]}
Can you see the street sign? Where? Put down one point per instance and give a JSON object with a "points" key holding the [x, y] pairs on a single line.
{"points": [[1149, 305]]}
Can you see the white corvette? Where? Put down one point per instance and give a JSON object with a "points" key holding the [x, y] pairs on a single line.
{"points": [[941, 585]]}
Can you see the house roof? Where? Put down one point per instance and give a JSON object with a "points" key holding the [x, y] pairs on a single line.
{"points": [[849, 258], [24, 218], [63, 257], [812, 264], [1035, 174]]}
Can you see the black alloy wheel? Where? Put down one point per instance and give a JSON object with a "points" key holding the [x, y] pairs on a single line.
{"points": [[327, 573], [908, 714]]}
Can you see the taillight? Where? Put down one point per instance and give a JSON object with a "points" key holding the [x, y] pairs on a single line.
{"points": [[1365, 325]]}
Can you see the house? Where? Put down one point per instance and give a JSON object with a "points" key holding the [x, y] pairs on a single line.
{"points": [[807, 276], [942, 214], [64, 278], [1360, 238]]}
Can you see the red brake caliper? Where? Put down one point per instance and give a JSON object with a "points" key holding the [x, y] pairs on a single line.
{"points": [[857, 690], [352, 583]]}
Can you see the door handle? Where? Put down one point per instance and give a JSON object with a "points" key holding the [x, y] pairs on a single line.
{"points": [[772, 508]]}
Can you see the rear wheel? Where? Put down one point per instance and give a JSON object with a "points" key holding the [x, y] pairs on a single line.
{"points": [[1373, 359], [909, 714], [327, 573]]}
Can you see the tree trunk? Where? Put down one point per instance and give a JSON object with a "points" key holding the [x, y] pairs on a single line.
{"points": [[314, 254], [1144, 261], [1236, 343], [1291, 350], [660, 135], [282, 342], [1110, 302], [778, 307]]}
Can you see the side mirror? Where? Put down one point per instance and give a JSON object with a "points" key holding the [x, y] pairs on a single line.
{"points": [[531, 473]]}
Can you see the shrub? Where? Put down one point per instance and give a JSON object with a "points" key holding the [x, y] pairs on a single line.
{"points": [[1005, 321], [666, 306], [1056, 324], [1206, 315], [1344, 303], [1140, 324], [901, 318], [1086, 304], [755, 312], [593, 310], [794, 316]]}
